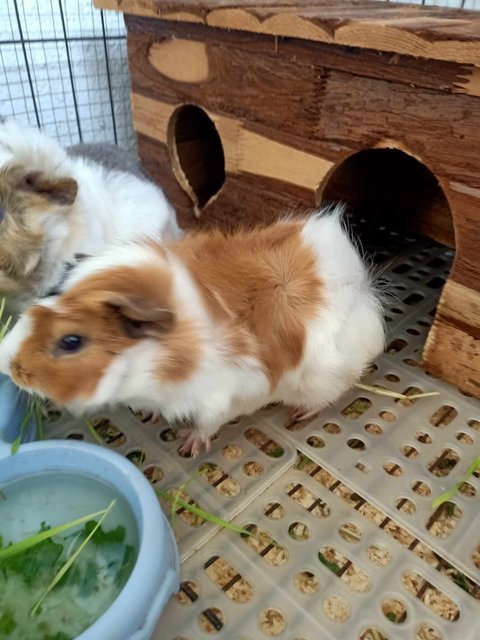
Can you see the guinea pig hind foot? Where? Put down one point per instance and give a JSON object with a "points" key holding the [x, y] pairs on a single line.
{"points": [[194, 442]]}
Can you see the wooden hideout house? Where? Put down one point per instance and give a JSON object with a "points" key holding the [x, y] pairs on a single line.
{"points": [[245, 110]]}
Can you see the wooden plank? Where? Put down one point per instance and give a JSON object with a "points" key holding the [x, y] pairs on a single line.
{"points": [[244, 150], [427, 32], [446, 77]]}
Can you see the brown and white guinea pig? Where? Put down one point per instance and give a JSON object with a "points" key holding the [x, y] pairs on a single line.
{"points": [[207, 328], [55, 203]]}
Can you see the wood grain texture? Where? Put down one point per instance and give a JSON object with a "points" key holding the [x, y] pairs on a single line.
{"points": [[427, 32]]}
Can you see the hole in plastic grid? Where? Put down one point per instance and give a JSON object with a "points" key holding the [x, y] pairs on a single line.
{"points": [[443, 463], [423, 437], [153, 473], [362, 467], [137, 456], [379, 555], [188, 517], [408, 451], [337, 608], [316, 442], [52, 413], [264, 443], [393, 469], [388, 416], [396, 345], [373, 429], [211, 620], [306, 582], [228, 579], [299, 531], [263, 543], [356, 443], [392, 377], [435, 599], [345, 569], [476, 556], [314, 505], [405, 505], [188, 592], [274, 510], [414, 298], [272, 622], [465, 438], [467, 489], [443, 416], [252, 469], [232, 452], [395, 610], [168, 435], [332, 428], [444, 520], [75, 436], [350, 532], [474, 424], [109, 432], [427, 632], [357, 408], [221, 481], [421, 488]]}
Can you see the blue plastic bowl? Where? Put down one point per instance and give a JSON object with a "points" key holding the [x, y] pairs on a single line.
{"points": [[155, 576]]}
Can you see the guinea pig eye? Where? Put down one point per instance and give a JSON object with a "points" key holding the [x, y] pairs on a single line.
{"points": [[70, 343]]}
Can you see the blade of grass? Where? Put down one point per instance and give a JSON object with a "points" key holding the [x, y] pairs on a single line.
{"points": [[31, 541], [39, 417], [201, 513], [18, 440], [173, 510], [92, 432], [444, 497], [63, 570], [5, 327], [394, 394]]}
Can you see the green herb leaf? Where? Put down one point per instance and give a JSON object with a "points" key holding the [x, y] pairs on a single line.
{"points": [[7, 623], [104, 537], [445, 497], [63, 570], [33, 561], [330, 565]]}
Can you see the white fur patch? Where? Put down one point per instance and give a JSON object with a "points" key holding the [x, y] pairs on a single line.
{"points": [[11, 344]]}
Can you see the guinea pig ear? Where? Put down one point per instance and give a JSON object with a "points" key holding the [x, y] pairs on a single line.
{"points": [[58, 190], [140, 318]]}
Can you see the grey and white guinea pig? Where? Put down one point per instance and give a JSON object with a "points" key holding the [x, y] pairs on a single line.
{"points": [[56, 202], [208, 328]]}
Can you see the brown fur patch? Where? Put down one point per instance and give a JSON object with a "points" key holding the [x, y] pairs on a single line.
{"points": [[25, 198], [87, 310], [263, 287]]}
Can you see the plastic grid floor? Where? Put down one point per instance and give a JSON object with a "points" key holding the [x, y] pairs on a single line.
{"points": [[346, 496]]}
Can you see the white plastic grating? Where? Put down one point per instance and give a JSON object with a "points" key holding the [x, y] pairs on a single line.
{"points": [[369, 462]]}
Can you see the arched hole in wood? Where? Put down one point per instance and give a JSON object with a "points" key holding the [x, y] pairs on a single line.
{"points": [[196, 154], [388, 190]]}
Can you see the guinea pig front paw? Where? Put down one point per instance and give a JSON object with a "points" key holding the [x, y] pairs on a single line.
{"points": [[194, 442], [297, 414]]}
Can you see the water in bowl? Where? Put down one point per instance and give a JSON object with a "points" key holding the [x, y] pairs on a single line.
{"points": [[96, 577]]}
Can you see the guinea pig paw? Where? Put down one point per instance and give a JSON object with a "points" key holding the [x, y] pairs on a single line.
{"points": [[297, 414], [194, 442]]}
